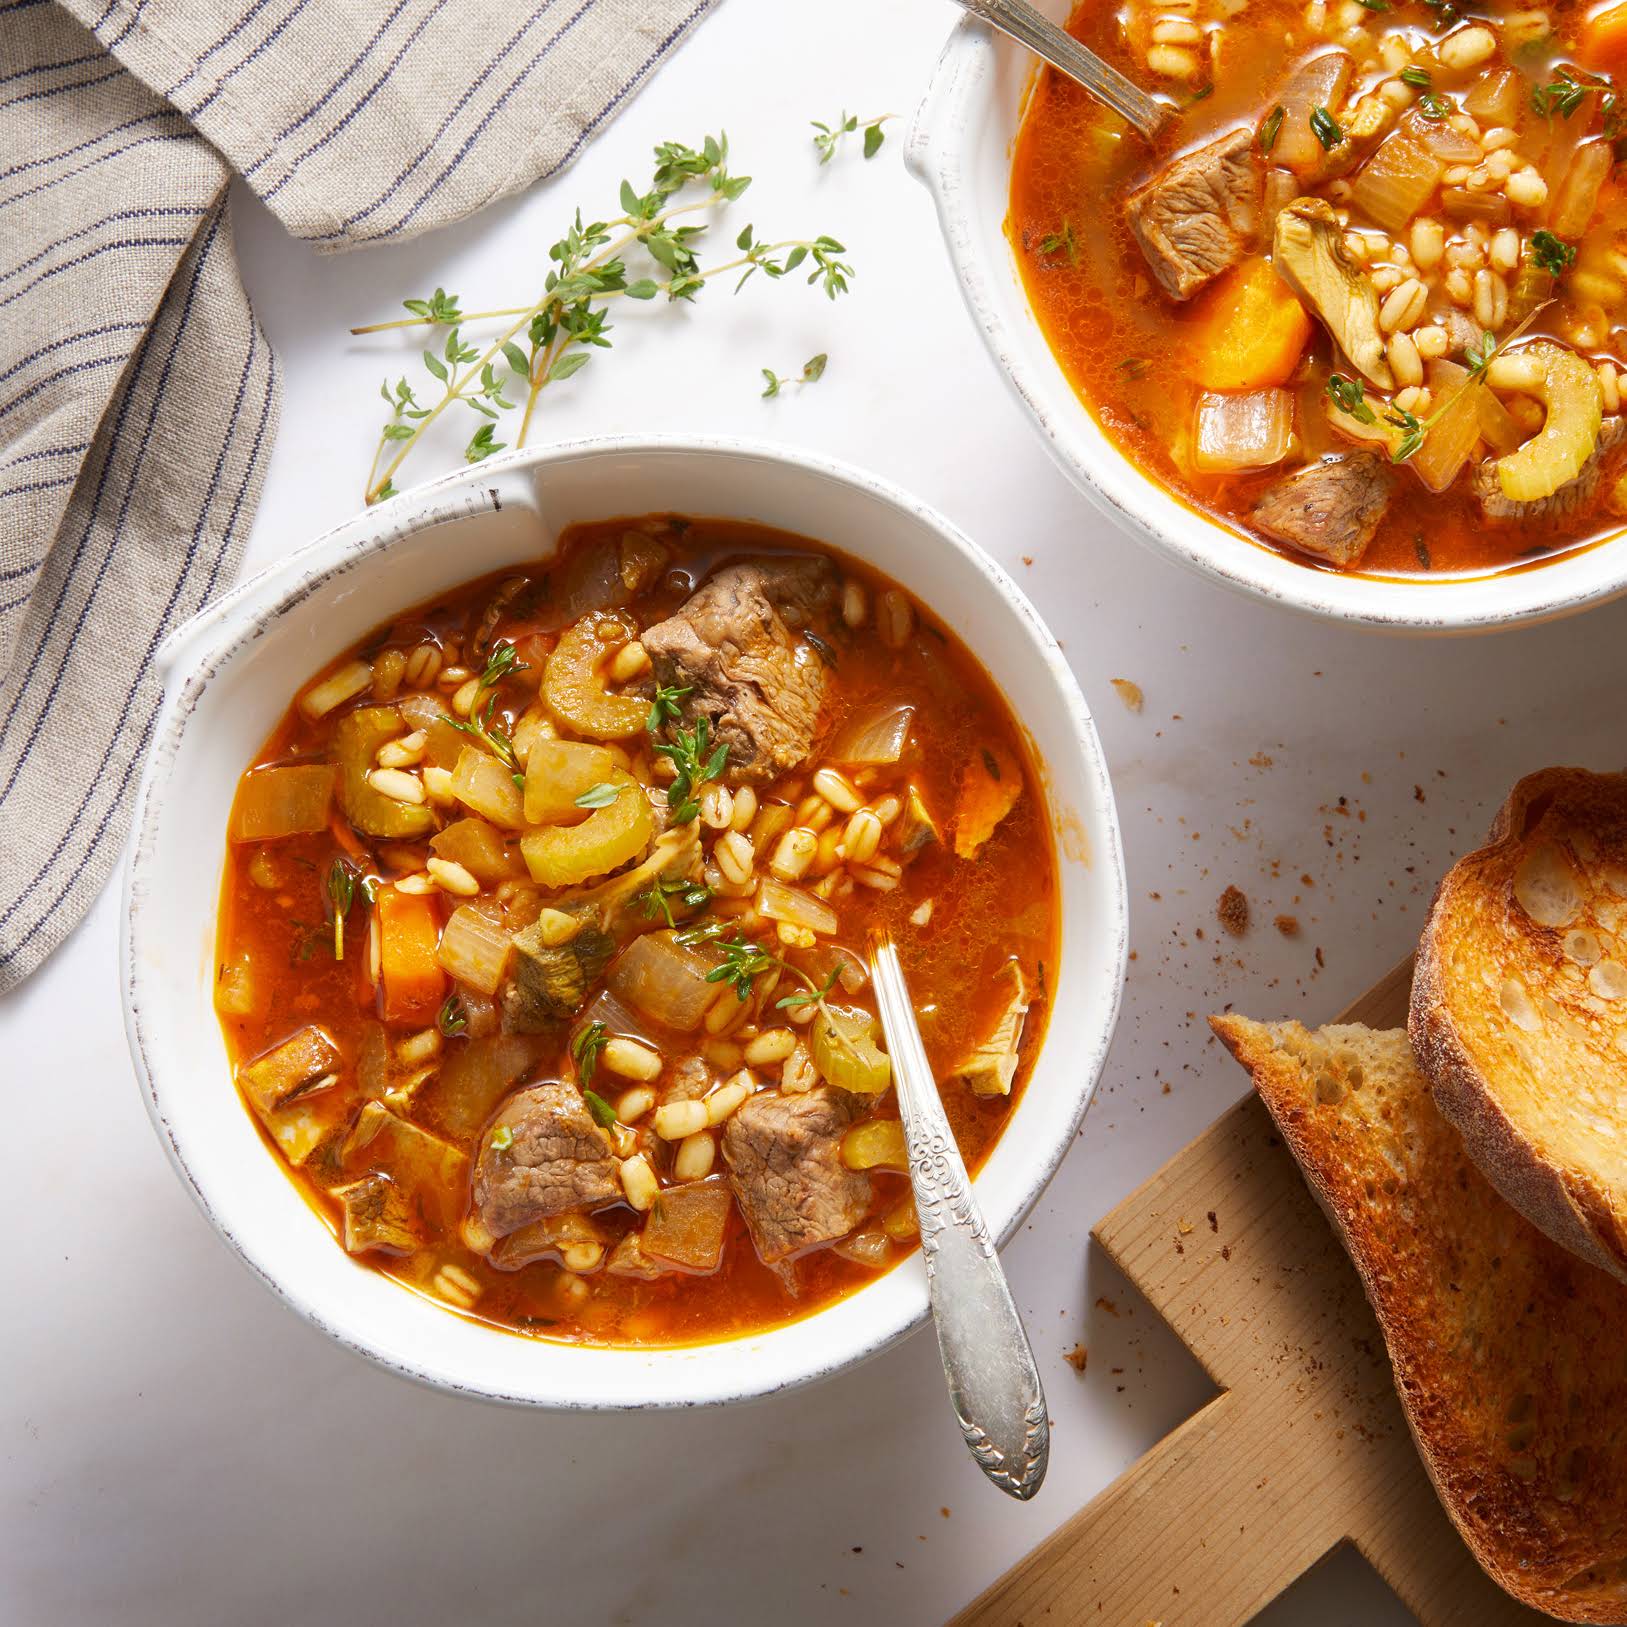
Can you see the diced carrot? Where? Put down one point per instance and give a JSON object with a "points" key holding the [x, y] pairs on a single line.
{"points": [[409, 928], [1251, 330], [988, 792], [1602, 45]]}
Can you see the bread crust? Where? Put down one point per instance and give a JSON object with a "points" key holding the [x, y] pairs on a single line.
{"points": [[1476, 1309], [1564, 1201]]}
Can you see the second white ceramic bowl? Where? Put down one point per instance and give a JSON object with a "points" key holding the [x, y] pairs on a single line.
{"points": [[230, 674], [960, 146]]}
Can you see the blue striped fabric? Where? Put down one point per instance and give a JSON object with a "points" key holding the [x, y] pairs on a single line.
{"points": [[138, 396]]}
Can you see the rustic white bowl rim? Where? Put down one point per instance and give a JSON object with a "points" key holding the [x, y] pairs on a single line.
{"points": [[166, 1025], [959, 146]]}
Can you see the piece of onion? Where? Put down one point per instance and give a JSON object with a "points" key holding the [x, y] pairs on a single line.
{"points": [[1318, 83], [485, 787], [1497, 426], [1395, 183], [1449, 145], [1250, 431], [557, 772], [1489, 208], [1497, 97], [778, 901], [481, 849], [872, 1249], [1578, 196], [686, 1225], [475, 947], [476, 1075], [1452, 436], [665, 979], [291, 801], [875, 736], [591, 579]]}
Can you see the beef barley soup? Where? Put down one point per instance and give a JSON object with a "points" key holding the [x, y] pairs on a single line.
{"points": [[541, 933], [1363, 303]]}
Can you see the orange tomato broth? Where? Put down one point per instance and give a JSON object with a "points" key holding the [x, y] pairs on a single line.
{"points": [[1000, 906]]}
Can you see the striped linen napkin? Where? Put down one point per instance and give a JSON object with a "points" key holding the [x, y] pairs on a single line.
{"points": [[138, 396]]}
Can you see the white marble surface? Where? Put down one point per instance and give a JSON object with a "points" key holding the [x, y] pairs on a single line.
{"points": [[176, 1449]]}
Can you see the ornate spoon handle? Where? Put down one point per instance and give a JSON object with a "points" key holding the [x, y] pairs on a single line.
{"points": [[994, 1385], [1025, 25]]}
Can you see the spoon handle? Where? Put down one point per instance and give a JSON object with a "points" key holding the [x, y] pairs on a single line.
{"points": [[994, 1384], [1025, 25]]}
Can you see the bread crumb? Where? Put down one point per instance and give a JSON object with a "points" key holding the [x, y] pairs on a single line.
{"points": [[1288, 925], [1233, 911], [1129, 692], [1076, 1359], [1260, 760], [1103, 1303]]}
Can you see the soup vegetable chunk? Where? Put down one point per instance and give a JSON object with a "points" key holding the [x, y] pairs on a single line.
{"points": [[1362, 303], [541, 946]]}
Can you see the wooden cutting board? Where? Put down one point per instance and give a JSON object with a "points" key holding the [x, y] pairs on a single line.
{"points": [[1306, 1446]]}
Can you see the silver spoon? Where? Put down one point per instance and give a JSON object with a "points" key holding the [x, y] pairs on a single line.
{"points": [[1025, 25], [993, 1383]]}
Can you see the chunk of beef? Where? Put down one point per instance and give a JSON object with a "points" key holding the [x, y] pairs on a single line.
{"points": [[376, 1216], [758, 685], [688, 1082], [1198, 216], [544, 1155], [550, 981], [1330, 509], [784, 1156], [1573, 495]]}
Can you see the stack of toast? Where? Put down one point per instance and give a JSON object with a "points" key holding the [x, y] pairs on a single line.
{"points": [[1475, 1166]]}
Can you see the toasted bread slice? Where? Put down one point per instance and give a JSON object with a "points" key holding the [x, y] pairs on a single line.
{"points": [[1510, 1354], [1519, 1007]]}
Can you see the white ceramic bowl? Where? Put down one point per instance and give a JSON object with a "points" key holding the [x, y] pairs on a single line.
{"points": [[960, 146], [229, 675]]}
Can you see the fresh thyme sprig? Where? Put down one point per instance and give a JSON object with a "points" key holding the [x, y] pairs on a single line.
{"points": [[743, 962], [344, 880], [549, 340], [813, 995], [604, 1115], [481, 727], [656, 899], [585, 1048], [665, 708], [812, 371], [1551, 254], [452, 1019], [828, 137], [1061, 241], [503, 662], [696, 761]]}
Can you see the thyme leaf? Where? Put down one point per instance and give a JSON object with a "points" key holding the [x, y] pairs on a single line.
{"points": [[812, 371], [828, 137], [585, 1049], [550, 338]]}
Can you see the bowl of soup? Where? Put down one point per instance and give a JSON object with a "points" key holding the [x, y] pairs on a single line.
{"points": [[1347, 333], [505, 864]]}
